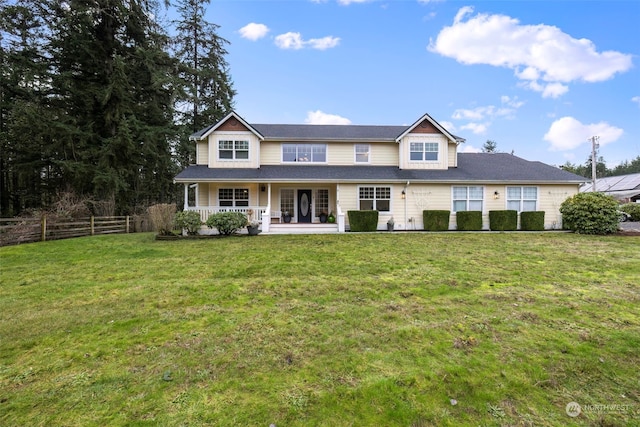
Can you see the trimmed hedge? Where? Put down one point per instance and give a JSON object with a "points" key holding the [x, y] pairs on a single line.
{"points": [[632, 209], [590, 213], [436, 220], [469, 220], [363, 220], [506, 220], [532, 221]]}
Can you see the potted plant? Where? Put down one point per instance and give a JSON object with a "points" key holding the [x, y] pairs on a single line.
{"points": [[331, 218], [286, 217], [390, 224], [323, 216], [252, 224]]}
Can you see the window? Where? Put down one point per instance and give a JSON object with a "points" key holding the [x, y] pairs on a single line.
{"points": [[375, 198], [522, 199], [286, 201], [362, 153], [467, 198], [233, 197], [419, 151], [233, 150], [322, 201], [305, 153]]}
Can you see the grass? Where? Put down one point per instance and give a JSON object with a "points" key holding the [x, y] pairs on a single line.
{"points": [[382, 329]]}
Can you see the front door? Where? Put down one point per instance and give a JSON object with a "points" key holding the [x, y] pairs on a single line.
{"points": [[304, 206]]}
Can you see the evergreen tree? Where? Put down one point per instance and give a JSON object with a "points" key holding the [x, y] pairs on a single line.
{"points": [[490, 146], [206, 93]]}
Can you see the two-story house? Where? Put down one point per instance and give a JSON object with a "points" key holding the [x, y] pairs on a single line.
{"points": [[287, 176]]}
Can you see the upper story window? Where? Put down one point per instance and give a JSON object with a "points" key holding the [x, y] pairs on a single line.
{"points": [[375, 198], [420, 151], [362, 153], [467, 198], [305, 153], [522, 199], [233, 196], [233, 150]]}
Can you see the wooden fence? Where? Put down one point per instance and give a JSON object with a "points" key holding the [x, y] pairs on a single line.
{"points": [[24, 230]]}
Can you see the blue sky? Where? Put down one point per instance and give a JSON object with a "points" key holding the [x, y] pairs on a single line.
{"points": [[537, 77]]}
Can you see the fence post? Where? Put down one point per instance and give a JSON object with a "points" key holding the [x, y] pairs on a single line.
{"points": [[127, 226], [43, 228], [92, 225]]}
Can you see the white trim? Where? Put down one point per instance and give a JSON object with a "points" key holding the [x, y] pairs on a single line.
{"points": [[221, 122], [435, 124]]}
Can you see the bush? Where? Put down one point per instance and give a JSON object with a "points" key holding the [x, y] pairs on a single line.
{"points": [[435, 220], [632, 209], [469, 220], [503, 220], [161, 217], [590, 213], [363, 220], [532, 221], [189, 220], [227, 223]]}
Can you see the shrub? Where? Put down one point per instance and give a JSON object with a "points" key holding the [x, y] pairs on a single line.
{"points": [[503, 220], [590, 213], [363, 220], [435, 220], [189, 220], [469, 220], [632, 209], [227, 223], [161, 217], [532, 221]]}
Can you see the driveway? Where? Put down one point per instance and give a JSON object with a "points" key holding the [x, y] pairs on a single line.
{"points": [[630, 226]]}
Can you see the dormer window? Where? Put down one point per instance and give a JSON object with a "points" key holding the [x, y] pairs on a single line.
{"points": [[304, 153], [423, 151], [233, 150]]}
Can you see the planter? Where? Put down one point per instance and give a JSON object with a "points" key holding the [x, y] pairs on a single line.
{"points": [[331, 219], [389, 227], [286, 218], [323, 217], [253, 230]]}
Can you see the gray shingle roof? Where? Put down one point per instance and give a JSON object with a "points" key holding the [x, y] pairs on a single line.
{"points": [[472, 167], [329, 132]]}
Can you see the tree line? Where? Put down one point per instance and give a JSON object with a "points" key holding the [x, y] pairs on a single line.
{"points": [[98, 98], [624, 168]]}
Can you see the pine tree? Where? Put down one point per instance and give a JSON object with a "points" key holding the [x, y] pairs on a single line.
{"points": [[207, 92], [490, 146]]}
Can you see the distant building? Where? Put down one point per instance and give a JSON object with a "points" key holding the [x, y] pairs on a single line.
{"points": [[625, 188]]}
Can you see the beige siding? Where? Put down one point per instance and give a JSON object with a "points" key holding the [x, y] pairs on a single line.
{"points": [[443, 153], [270, 153], [254, 149], [202, 150], [203, 195], [341, 153], [550, 197], [453, 155]]}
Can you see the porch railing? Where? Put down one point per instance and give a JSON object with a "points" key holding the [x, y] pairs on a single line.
{"points": [[206, 211]]}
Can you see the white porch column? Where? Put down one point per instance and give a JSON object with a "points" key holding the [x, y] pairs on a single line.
{"points": [[186, 196], [341, 226], [266, 216]]}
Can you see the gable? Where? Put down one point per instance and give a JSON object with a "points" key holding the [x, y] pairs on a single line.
{"points": [[232, 124], [426, 127]]}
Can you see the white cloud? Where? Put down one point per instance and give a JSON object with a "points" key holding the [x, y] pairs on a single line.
{"points": [[289, 40], [324, 43], [477, 128], [568, 133], [319, 118], [470, 149], [449, 126], [636, 99], [543, 57], [254, 31], [295, 41]]}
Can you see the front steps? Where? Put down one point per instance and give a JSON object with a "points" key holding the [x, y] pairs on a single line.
{"points": [[302, 228]]}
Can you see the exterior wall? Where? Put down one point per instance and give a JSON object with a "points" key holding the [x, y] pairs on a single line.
{"points": [[443, 152], [202, 153], [338, 153], [453, 155], [254, 150]]}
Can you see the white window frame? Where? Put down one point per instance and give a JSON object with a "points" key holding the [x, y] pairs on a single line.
{"points": [[299, 150], [467, 199], [376, 196], [320, 205], [521, 199], [236, 147], [365, 149], [235, 199], [424, 149]]}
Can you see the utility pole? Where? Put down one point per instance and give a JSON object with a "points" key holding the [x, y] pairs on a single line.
{"points": [[594, 148]]}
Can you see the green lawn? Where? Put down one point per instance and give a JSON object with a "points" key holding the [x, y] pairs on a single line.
{"points": [[381, 329]]}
